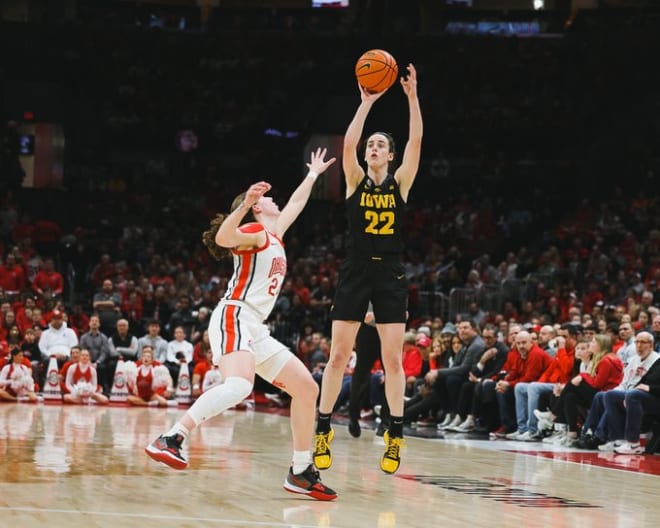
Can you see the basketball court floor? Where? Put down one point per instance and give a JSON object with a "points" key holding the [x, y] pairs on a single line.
{"points": [[84, 466]]}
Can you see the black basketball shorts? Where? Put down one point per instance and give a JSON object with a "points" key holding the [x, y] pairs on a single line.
{"points": [[383, 282]]}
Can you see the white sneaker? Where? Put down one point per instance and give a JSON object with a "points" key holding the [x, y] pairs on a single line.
{"points": [[513, 436], [528, 436], [555, 438], [448, 418], [454, 423], [545, 419], [610, 446], [568, 441], [629, 448], [467, 425]]}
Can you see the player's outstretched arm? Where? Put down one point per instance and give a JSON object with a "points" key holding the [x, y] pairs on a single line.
{"points": [[300, 196], [228, 235], [353, 171], [407, 172]]}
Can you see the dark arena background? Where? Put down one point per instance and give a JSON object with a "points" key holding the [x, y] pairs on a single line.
{"points": [[127, 125]]}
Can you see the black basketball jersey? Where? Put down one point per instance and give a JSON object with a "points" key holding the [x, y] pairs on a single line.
{"points": [[375, 219]]}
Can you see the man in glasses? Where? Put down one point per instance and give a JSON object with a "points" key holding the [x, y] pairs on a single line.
{"points": [[625, 408]]}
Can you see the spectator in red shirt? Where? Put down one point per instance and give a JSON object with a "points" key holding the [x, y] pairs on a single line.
{"points": [[48, 280], [605, 372], [161, 278], [559, 370], [105, 269], [202, 346], [525, 363], [201, 368], [413, 359], [591, 296], [24, 312], [8, 321], [38, 318], [46, 236], [12, 275], [302, 290], [78, 320]]}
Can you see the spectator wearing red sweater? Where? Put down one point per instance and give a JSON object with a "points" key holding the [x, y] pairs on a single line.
{"points": [[48, 281], [12, 275], [24, 312], [8, 321], [591, 296], [78, 320], [104, 270], [201, 348], [605, 372], [301, 289], [199, 373], [527, 395], [413, 359], [524, 364]]}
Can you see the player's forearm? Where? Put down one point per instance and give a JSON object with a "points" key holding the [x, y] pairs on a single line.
{"points": [[226, 235], [416, 126], [355, 127]]}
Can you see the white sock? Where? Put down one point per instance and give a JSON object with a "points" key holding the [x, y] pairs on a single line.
{"points": [[220, 398], [177, 428], [301, 460]]}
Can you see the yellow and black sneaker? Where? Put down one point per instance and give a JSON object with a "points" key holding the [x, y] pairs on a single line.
{"points": [[322, 454], [391, 459]]}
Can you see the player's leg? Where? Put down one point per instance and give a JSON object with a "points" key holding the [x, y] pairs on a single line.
{"points": [[238, 371], [343, 339], [288, 372], [389, 301], [367, 347], [391, 338]]}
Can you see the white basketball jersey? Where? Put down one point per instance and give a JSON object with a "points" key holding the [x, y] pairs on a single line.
{"points": [[258, 273]]}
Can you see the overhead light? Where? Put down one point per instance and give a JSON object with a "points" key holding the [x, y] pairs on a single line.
{"points": [[539, 4]]}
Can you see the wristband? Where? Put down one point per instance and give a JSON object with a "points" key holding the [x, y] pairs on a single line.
{"points": [[313, 175]]}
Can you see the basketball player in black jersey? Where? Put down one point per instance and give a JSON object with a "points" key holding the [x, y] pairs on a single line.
{"points": [[372, 269]]}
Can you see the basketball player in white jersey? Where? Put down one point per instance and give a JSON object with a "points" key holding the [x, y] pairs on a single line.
{"points": [[241, 342]]}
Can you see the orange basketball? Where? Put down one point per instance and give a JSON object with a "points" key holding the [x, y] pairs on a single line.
{"points": [[376, 70]]}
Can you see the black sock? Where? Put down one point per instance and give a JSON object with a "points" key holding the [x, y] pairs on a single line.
{"points": [[396, 426], [323, 424]]}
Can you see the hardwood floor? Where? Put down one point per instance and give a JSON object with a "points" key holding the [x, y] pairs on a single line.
{"points": [[84, 466]]}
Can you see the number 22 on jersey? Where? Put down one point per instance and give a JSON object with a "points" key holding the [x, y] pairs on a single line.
{"points": [[380, 222]]}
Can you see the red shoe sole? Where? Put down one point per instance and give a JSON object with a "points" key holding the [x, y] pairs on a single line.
{"points": [[165, 458], [314, 494]]}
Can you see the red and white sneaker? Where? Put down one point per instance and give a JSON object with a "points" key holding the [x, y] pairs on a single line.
{"points": [[308, 483], [167, 449]]}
